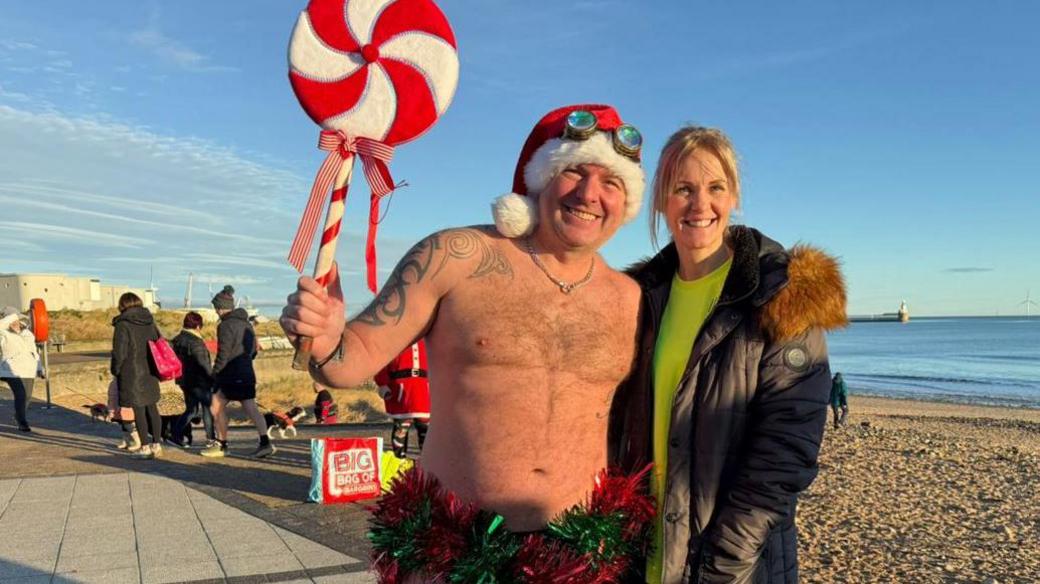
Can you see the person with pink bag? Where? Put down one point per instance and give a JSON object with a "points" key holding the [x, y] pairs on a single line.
{"points": [[136, 377]]}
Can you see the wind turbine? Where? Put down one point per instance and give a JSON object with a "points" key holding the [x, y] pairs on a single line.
{"points": [[1028, 303]]}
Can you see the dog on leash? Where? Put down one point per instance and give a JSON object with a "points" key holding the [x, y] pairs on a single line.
{"points": [[99, 412], [284, 423]]}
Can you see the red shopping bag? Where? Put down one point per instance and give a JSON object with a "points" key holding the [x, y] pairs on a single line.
{"points": [[345, 469]]}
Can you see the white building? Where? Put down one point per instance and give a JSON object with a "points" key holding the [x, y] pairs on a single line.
{"points": [[61, 292]]}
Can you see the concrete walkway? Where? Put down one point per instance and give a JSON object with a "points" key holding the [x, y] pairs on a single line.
{"points": [[129, 527], [75, 509]]}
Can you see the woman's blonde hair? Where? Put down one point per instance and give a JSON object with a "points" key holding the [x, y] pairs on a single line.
{"points": [[680, 145]]}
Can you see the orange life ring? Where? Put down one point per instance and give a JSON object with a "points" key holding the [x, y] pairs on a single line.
{"points": [[39, 321]]}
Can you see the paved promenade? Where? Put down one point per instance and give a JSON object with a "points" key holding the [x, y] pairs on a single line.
{"points": [[134, 528], [75, 509]]}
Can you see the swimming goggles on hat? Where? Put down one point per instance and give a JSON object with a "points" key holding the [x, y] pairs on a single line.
{"points": [[581, 124]]}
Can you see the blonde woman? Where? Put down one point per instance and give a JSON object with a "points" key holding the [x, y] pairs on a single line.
{"points": [[730, 391], [19, 363]]}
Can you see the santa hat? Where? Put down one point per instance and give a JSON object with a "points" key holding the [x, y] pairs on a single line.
{"points": [[547, 152]]}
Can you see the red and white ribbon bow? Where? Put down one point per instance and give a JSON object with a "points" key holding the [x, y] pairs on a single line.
{"points": [[374, 156]]}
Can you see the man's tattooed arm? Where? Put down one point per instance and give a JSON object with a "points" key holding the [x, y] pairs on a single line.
{"points": [[462, 244], [454, 244]]}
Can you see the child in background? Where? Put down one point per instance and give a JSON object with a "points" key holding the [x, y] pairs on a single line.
{"points": [[125, 417]]}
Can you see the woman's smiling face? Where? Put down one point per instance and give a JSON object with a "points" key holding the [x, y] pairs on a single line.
{"points": [[699, 204]]}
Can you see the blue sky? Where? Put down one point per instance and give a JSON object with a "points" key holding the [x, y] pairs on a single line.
{"points": [[903, 137]]}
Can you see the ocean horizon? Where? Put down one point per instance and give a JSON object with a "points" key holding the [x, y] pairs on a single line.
{"points": [[990, 360]]}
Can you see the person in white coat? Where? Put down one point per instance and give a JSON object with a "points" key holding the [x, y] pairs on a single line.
{"points": [[19, 362]]}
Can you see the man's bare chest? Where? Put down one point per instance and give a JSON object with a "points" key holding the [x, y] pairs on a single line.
{"points": [[524, 325]]}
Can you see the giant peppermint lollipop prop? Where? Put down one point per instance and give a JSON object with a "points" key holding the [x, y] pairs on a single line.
{"points": [[373, 74]]}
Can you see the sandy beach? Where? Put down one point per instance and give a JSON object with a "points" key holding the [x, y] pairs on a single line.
{"points": [[909, 491], [925, 492]]}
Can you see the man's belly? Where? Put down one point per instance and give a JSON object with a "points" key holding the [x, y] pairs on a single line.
{"points": [[527, 456]]}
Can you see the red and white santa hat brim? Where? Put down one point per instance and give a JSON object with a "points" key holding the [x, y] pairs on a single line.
{"points": [[546, 153]]}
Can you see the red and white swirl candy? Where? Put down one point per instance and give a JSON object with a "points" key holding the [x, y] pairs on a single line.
{"points": [[373, 74], [378, 69]]}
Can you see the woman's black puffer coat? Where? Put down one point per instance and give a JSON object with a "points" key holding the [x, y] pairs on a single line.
{"points": [[132, 365]]}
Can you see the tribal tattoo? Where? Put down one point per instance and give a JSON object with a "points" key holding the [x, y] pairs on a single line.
{"points": [[457, 244], [462, 244]]}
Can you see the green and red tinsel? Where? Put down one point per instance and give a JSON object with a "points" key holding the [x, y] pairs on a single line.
{"points": [[421, 528]]}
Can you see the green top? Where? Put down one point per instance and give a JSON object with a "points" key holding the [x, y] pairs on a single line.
{"points": [[689, 304], [838, 390]]}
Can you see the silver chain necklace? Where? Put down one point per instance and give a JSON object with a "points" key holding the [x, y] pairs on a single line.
{"points": [[565, 287]]}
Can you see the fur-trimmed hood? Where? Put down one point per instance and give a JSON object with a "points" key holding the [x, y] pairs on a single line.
{"points": [[813, 297], [791, 291]]}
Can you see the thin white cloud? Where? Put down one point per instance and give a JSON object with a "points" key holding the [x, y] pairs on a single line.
{"points": [[14, 96], [10, 244], [229, 260], [43, 232], [126, 219], [43, 188], [119, 201], [174, 52], [13, 45], [204, 278]]}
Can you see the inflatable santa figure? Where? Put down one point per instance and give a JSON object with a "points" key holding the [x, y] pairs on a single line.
{"points": [[405, 388]]}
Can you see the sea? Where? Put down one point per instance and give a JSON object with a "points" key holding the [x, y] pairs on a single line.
{"points": [[972, 360]]}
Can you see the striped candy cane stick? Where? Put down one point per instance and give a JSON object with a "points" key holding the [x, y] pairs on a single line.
{"points": [[327, 250], [335, 173]]}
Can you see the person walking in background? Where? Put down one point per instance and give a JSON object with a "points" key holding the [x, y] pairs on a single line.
{"points": [[729, 394], [19, 363], [196, 381], [235, 379], [131, 442], [405, 388], [135, 375], [839, 400]]}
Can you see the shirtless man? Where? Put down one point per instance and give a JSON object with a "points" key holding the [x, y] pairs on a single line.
{"points": [[528, 330]]}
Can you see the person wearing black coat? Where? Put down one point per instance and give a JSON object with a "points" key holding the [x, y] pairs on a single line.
{"points": [[136, 377], [234, 375], [728, 396], [196, 380]]}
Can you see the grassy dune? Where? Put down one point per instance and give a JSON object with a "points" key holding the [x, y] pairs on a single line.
{"points": [[279, 386], [93, 329]]}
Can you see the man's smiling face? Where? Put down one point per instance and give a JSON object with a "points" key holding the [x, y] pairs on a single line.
{"points": [[584, 206]]}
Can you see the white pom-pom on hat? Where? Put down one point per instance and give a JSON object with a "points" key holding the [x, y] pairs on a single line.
{"points": [[515, 215]]}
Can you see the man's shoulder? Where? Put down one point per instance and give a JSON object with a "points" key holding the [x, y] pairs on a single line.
{"points": [[469, 252], [626, 286], [460, 236]]}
